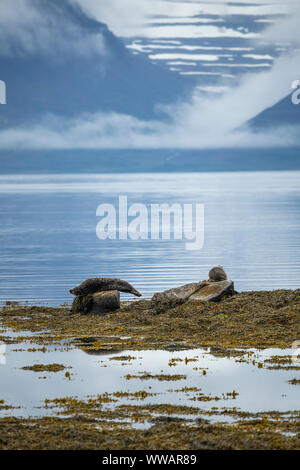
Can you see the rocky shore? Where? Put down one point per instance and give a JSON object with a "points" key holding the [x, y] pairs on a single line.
{"points": [[251, 319], [246, 320]]}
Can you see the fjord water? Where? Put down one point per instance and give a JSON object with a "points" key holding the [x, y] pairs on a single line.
{"points": [[48, 241]]}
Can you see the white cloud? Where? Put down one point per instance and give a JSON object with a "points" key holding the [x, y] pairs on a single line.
{"points": [[122, 16], [113, 131], [286, 30], [26, 27], [189, 31], [128, 18], [203, 123]]}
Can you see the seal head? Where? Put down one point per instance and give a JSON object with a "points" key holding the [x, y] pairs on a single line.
{"points": [[217, 274]]}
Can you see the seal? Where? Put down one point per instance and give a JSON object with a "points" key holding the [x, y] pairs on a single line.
{"points": [[177, 295], [217, 274], [101, 284]]}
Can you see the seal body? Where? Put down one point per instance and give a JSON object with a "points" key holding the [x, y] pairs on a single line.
{"points": [[217, 274], [101, 284]]}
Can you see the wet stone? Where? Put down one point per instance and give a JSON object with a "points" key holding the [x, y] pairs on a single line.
{"points": [[180, 293], [214, 291], [204, 291], [99, 303]]}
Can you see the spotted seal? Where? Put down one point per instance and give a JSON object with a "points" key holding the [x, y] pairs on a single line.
{"points": [[101, 284]]}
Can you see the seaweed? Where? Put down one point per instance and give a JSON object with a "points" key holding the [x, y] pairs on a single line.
{"points": [[82, 304]]}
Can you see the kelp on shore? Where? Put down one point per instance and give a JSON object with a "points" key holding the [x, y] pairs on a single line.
{"points": [[250, 319]]}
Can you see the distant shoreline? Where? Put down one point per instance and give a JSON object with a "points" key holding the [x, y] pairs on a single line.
{"points": [[149, 161]]}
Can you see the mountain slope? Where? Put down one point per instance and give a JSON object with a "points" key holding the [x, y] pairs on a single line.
{"points": [[67, 83], [283, 113]]}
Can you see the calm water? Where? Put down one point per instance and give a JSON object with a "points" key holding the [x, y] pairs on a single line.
{"points": [[48, 241], [257, 389]]}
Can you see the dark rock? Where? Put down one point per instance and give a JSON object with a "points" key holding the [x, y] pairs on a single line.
{"points": [[167, 419], [202, 421], [105, 302], [82, 304], [175, 347], [99, 303]]}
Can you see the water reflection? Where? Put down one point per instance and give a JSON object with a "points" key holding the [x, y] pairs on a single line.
{"points": [[237, 382]]}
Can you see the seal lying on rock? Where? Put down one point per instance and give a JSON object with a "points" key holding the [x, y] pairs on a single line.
{"points": [[216, 274], [212, 290], [101, 284]]}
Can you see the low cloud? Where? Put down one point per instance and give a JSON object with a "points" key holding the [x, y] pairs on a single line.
{"points": [[206, 122], [117, 131], [286, 30], [39, 26]]}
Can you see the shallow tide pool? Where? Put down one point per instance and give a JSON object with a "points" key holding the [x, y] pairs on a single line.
{"points": [[200, 378]]}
